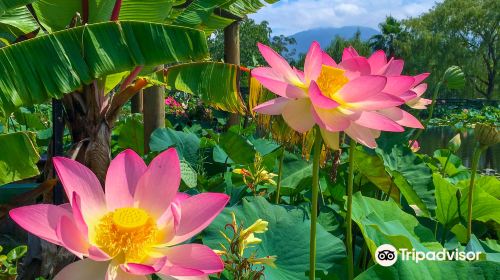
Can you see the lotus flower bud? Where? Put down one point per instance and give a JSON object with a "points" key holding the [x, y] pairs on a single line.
{"points": [[454, 78], [486, 134], [454, 143], [415, 146]]}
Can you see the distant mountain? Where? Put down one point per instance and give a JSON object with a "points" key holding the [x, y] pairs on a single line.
{"points": [[324, 36]]}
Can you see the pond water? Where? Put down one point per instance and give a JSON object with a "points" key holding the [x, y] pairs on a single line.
{"points": [[437, 138]]}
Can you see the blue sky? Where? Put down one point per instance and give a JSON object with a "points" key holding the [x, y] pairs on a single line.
{"points": [[290, 16]]}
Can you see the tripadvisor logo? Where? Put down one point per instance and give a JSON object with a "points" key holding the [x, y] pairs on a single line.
{"points": [[387, 255]]}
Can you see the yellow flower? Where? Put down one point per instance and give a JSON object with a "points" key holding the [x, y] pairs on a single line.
{"points": [[269, 260], [249, 240], [259, 226]]}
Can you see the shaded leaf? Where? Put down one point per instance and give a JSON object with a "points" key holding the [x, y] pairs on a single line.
{"points": [[186, 143], [18, 158], [411, 175], [372, 167], [131, 135], [237, 148]]}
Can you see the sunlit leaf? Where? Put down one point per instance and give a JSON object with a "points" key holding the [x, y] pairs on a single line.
{"points": [[215, 83], [77, 56], [383, 222]]}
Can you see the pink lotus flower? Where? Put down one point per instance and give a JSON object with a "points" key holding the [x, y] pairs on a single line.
{"points": [[415, 147], [359, 96], [419, 102], [132, 230]]}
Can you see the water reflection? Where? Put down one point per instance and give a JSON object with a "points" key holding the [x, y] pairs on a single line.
{"points": [[438, 137]]}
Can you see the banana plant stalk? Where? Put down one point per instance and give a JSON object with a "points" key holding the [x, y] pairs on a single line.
{"points": [[348, 216], [280, 172], [318, 143]]}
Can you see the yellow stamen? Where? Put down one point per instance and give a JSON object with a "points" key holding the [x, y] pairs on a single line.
{"points": [[127, 234], [130, 218], [331, 80]]}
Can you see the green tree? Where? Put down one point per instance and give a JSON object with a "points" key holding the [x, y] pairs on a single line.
{"points": [[392, 32], [251, 33], [460, 32], [337, 46]]}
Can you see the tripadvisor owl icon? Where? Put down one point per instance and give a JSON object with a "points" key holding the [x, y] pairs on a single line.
{"points": [[386, 255]]}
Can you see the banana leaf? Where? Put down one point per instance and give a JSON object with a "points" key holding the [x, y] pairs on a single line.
{"points": [[241, 8], [215, 83], [6, 5], [15, 23], [56, 64]]}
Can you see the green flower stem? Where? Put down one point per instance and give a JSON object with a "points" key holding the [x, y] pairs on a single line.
{"points": [[280, 172], [348, 216], [475, 161], [431, 112], [318, 143], [443, 172]]}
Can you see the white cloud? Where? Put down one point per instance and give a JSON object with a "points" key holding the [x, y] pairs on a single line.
{"points": [[349, 9], [289, 17]]}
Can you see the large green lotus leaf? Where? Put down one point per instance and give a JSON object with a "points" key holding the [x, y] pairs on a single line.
{"points": [[296, 173], [383, 222], [18, 157], [215, 83], [56, 64], [186, 143], [287, 238], [485, 206], [446, 201], [454, 168], [372, 167], [236, 147], [411, 175], [490, 184], [436, 270]]}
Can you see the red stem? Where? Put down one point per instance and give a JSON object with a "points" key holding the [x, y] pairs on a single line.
{"points": [[85, 11], [244, 69], [130, 78], [116, 10]]}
